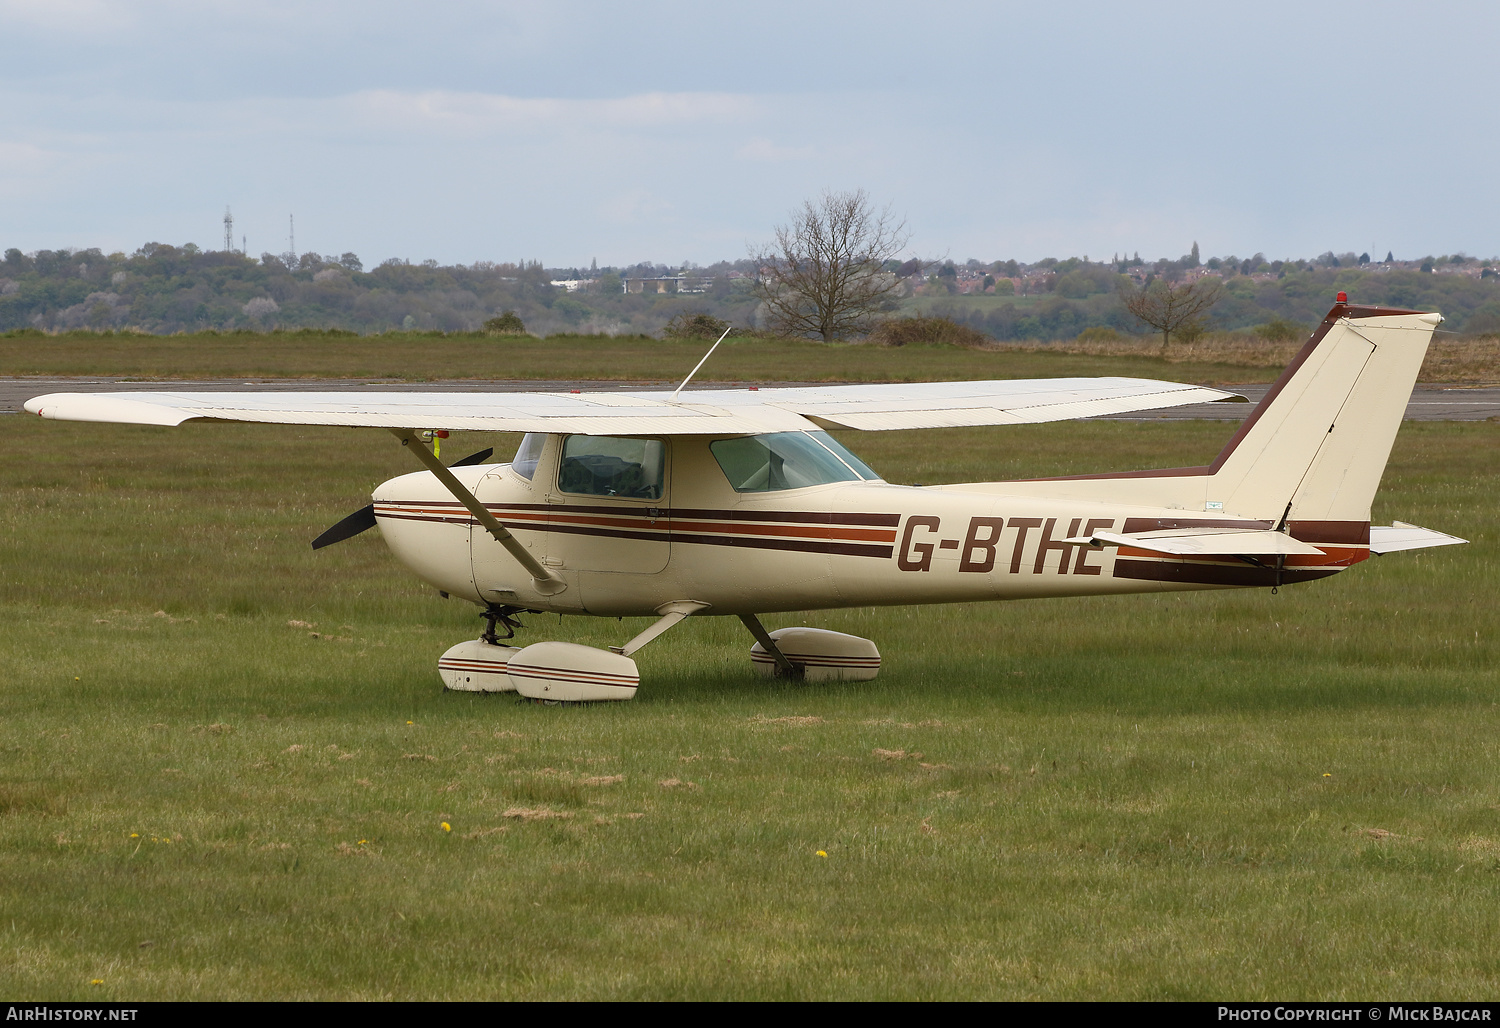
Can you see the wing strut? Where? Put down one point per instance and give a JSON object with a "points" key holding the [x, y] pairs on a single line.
{"points": [[671, 613], [546, 581]]}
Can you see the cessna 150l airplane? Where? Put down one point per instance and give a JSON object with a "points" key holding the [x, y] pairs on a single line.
{"points": [[736, 502]]}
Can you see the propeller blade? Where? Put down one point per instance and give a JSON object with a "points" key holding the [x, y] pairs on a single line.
{"points": [[355, 523], [474, 458]]}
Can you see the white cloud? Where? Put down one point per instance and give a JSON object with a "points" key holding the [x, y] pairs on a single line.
{"points": [[482, 113], [635, 207], [27, 159], [763, 149]]}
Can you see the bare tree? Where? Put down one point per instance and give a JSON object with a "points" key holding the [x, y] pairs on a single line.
{"points": [[1168, 308], [824, 275]]}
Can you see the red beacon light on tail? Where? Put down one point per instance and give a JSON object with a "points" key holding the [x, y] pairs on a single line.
{"points": [[1343, 297]]}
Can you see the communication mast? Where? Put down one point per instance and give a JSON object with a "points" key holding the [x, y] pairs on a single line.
{"points": [[291, 236], [228, 230]]}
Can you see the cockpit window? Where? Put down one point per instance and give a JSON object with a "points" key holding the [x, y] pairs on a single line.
{"points": [[786, 460], [603, 465], [527, 454]]}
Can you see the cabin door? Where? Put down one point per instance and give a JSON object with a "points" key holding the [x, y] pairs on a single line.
{"points": [[607, 508]]}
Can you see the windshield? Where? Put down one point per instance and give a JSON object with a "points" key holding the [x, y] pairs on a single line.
{"points": [[527, 454], [787, 460]]}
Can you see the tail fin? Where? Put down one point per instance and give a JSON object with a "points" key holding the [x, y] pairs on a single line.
{"points": [[1316, 446]]}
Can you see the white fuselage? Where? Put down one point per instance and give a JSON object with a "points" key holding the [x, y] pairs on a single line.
{"points": [[844, 544]]}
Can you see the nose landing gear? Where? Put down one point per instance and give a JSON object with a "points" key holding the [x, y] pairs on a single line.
{"points": [[479, 665], [504, 616], [549, 671]]}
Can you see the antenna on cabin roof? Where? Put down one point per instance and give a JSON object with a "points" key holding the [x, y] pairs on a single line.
{"points": [[700, 364], [228, 230]]}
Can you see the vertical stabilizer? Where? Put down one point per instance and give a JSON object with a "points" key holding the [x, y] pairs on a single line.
{"points": [[1316, 446]]}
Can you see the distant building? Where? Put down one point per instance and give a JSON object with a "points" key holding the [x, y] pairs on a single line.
{"points": [[666, 284]]}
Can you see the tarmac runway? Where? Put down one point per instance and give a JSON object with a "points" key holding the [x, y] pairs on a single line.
{"points": [[1428, 402]]}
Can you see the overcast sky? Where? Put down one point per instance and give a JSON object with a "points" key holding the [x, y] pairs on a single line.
{"points": [[565, 132]]}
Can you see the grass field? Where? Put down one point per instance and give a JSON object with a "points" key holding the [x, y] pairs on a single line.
{"points": [[1200, 796], [418, 358], [1219, 358]]}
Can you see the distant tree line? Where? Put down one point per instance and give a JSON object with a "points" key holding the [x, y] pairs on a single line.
{"points": [[162, 288], [1301, 297]]}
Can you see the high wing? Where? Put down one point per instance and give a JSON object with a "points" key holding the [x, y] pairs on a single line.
{"points": [[700, 412]]}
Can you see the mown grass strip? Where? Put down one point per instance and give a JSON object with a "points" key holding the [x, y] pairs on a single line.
{"points": [[633, 358]]}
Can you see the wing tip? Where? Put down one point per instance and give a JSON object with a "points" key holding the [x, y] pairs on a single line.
{"points": [[103, 407]]}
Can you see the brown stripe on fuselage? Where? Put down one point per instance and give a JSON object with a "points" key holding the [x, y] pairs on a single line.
{"points": [[1134, 525], [1195, 573], [814, 525], [677, 513], [851, 542], [1320, 532], [684, 528], [1328, 558], [686, 513], [438, 519], [794, 517], [799, 545]]}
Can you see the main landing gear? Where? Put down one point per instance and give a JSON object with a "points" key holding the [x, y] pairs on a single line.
{"points": [[572, 673]]}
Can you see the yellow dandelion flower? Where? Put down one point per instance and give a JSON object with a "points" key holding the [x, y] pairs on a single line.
{"points": [[822, 854], [447, 827], [135, 835], [1327, 775], [97, 981], [410, 722], [363, 841]]}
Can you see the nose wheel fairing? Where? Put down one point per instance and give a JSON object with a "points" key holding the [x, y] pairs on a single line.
{"points": [[476, 665]]}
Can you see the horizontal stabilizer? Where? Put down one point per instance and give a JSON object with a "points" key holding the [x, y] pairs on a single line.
{"points": [[1401, 536], [1203, 542]]}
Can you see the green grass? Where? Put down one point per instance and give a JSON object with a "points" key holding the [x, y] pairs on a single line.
{"points": [[1139, 797], [632, 358]]}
